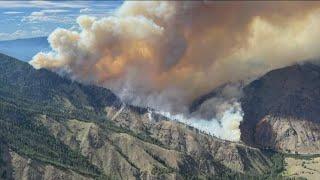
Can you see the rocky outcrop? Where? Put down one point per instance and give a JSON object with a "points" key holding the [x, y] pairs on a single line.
{"points": [[288, 135], [281, 110]]}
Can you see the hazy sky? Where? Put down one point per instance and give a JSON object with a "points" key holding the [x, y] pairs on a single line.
{"points": [[24, 19]]}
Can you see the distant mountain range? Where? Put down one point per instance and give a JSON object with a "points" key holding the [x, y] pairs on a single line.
{"points": [[24, 49]]}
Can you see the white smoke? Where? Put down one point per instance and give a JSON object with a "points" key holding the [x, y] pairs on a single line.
{"points": [[224, 126]]}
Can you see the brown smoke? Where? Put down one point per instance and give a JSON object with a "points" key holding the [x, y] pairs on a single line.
{"points": [[164, 54]]}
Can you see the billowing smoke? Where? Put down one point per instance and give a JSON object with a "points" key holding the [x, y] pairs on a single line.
{"points": [[164, 54], [224, 124]]}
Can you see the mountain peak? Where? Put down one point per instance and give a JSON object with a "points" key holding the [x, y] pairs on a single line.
{"points": [[282, 101]]}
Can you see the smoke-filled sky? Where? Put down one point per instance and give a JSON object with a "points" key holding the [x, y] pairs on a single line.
{"points": [[164, 54]]}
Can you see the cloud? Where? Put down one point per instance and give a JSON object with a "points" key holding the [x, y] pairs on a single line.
{"points": [[37, 13], [43, 4], [47, 15], [38, 32], [15, 35], [23, 33], [48, 11], [55, 10], [108, 11], [85, 10], [12, 12]]}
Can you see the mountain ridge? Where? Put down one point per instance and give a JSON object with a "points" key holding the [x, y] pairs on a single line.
{"points": [[281, 109], [90, 124]]}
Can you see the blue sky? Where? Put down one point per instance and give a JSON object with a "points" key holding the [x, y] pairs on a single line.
{"points": [[25, 19]]}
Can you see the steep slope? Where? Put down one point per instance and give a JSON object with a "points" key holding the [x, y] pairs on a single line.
{"points": [[73, 130], [155, 148], [15, 166], [281, 110]]}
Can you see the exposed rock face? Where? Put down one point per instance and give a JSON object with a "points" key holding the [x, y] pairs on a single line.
{"points": [[281, 110]]}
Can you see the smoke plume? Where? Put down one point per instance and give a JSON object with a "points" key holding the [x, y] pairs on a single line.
{"points": [[164, 54]]}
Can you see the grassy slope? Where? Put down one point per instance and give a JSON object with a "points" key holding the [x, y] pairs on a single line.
{"points": [[25, 93]]}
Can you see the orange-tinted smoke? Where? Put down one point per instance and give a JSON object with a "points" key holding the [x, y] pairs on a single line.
{"points": [[166, 53]]}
